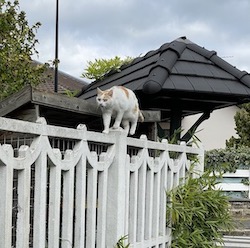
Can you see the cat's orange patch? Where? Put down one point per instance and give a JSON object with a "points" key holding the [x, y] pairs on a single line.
{"points": [[108, 93], [135, 109], [125, 91]]}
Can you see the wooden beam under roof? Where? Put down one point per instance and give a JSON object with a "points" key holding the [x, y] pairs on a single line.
{"points": [[15, 101], [58, 101]]}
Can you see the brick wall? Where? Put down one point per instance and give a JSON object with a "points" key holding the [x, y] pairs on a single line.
{"points": [[240, 209], [241, 214]]}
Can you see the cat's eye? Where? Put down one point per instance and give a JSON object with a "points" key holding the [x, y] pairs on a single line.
{"points": [[105, 100], [98, 99]]}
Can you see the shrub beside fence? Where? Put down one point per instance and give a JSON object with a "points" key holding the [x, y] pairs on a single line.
{"points": [[63, 187]]}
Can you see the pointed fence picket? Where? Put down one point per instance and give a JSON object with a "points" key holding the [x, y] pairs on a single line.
{"points": [[63, 187]]}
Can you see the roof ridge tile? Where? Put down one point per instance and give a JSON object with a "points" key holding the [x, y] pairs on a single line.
{"points": [[169, 54]]}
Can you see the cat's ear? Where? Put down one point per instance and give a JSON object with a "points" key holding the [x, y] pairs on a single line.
{"points": [[99, 91], [110, 93]]}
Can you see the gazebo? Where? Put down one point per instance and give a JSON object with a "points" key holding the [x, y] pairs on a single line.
{"points": [[179, 79]]}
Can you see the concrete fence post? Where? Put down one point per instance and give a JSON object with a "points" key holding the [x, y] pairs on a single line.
{"points": [[116, 190]]}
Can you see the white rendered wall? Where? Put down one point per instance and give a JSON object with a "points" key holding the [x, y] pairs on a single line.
{"points": [[214, 132]]}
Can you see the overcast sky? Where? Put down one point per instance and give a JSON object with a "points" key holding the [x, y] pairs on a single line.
{"points": [[90, 29]]}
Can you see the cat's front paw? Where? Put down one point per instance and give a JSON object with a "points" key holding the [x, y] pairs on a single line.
{"points": [[132, 132], [105, 131], [117, 128]]}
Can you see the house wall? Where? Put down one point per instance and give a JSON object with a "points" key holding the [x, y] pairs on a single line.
{"points": [[214, 132]]}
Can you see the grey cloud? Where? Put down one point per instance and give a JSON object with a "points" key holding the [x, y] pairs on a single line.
{"points": [[99, 28]]}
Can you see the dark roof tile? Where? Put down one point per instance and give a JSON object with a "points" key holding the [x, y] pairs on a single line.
{"points": [[199, 84], [189, 55]]}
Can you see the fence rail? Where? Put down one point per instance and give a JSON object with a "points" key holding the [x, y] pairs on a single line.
{"points": [[63, 187], [236, 184]]}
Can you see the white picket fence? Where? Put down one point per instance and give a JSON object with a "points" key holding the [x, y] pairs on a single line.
{"points": [[63, 187]]}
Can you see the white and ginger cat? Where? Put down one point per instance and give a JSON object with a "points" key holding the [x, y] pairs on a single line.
{"points": [[122, 104]]}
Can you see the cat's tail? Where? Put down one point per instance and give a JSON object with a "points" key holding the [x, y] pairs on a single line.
{"points": [[141, 117]]}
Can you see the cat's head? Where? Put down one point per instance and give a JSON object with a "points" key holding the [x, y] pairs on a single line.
{"points": [[104, 98]]}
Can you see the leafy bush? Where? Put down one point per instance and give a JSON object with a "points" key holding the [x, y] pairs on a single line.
{"points": [[242, 119], [227, 160], [198, 213], [17, 45], [100, 67]]}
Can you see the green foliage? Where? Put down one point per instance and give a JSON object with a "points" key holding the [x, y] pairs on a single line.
{"points": [[100, 67], [17, 45], [227, 160], [242, 120], [122, 242], [198, 213], [245, 181], [175, 137], [71, 93]]}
